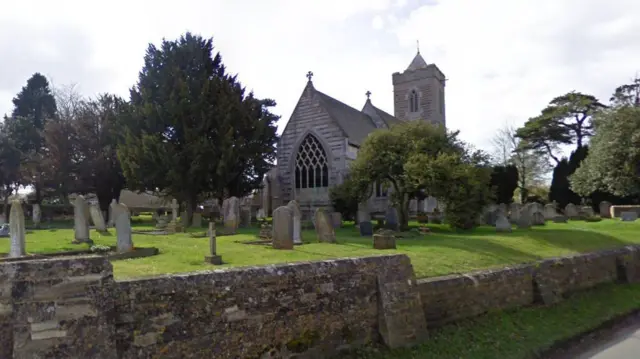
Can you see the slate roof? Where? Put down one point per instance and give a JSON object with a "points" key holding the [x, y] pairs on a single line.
{"points": [[355, 124], [390, 120], [417, 63]]}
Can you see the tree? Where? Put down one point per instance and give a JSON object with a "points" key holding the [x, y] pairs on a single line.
{"points": [[504, 180], [627, 95], [97, 137], [560, 190], [566, 120], [613, 164], [34, 105], [191, 130], [345, 198], [531, 165], [9, 167]]}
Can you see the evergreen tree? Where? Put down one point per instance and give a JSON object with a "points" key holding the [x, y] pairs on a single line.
{"points": [[560, 190], [504, 181], [191, 130]]}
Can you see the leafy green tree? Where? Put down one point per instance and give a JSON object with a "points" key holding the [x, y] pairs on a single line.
{"points": [[191, 131], [9, 167], [345, 198], [504, 181], [566, 120], [627, 95], [613, 164]]}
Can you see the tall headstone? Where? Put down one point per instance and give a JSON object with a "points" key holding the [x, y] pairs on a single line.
{"points": [[17, 230], [97, 219], [282, 237], [123, 227], [80, 220], [213, 256], [297, 221], [571, 211], [324, 228], [36, 215], [174, 210], [391, 219], [605, 209], [231, 215]]}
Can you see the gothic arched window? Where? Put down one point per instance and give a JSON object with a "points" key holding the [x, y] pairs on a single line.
{"points": [[312, 167], [413, 101]]}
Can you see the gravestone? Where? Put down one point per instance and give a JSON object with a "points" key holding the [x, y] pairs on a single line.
{"points": [[297, 221], [629, 216], [112, 219], [224, 208], [17, 230], [282, 237], [524, 221], [503, 224], [550, 211], [97, 218], [514, 212], [197, 220], [336, 219], [260, 215], [366, 228], [80, 220], [162, 222], [213, 257], [4, 230], [363, 215], [431, 203], [324, 228], [605, 209], [124, 242], [384, 240], [245, 217], [586, 211], [231, 215], [391, 219], [537, 219], [571, 211], [174, 210], [36, 215]]}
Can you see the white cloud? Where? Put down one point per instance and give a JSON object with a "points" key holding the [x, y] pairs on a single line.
{"points": [[504, 59]]}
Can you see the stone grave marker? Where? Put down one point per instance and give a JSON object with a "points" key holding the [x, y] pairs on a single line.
{"points": [[524, 221], [162, 222], [391, 219], [324, 228], [537, 219], [605, 209], [124, 242], [213, 257], [97, 218], [336, 219], [197, 220], [550, 211], [36, 215], [17, 230], [431, 203], [503, 224], [629, 216], [514, 212], [282, 237], [174, 210], [297, 221], [80, 220], [571, 211], [384, 240], [231, 215]]}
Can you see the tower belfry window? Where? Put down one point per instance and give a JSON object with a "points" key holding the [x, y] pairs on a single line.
{"points": [[413, 101], [312, 168]]}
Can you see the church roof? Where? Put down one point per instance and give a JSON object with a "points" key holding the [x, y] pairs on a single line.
{"points": [[417, 63], [355, 124], [387, 118]]}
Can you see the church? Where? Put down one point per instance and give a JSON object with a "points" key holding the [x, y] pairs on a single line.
{"points": [[323, 136]]}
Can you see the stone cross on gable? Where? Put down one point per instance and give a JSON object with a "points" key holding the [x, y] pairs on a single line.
{"points": [[309, 75], [368, 93]]}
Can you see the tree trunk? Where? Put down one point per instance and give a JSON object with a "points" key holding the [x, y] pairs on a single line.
{"points": [[403, 212]]}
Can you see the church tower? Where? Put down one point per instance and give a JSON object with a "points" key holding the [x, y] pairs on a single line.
{"points": [[419, 92]]}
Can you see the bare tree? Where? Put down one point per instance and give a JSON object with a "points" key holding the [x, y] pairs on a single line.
{"points": [[509, 150]]}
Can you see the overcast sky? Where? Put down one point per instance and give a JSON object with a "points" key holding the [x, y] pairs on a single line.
{"points": [[504, 59]]}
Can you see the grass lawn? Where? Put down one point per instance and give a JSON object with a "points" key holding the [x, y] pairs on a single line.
{"points": [[522, 333], [442, 252]]}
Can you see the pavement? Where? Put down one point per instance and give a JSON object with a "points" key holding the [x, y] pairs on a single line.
{"points": [[624, 343]]}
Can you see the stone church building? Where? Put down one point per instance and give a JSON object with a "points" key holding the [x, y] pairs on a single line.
{"points": [[323, 135]]}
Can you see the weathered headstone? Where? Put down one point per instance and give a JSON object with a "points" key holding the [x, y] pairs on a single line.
{"points": [[604, 209], [384, 240], [571, 211], [297, 221], [282, 237], [17, 230], [391, 219], [629, 216], [213, 257], [586, 211], [324, 228], [514, 212], [231, 215], [36, 215], [197, 220], [174, 210], [503, 224], [224, 208], [124, 242], [524, 221], [336, 219], [537, 219], [550, 211], [80, 220], [97, 219]]}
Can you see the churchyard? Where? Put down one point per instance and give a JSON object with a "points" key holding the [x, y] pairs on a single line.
{"points": [[442, 251]]}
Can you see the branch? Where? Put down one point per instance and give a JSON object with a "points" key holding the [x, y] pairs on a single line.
{"points": [[546, 145]]}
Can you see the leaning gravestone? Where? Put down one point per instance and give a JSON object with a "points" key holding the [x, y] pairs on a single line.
{"points": [[571, 211], [391, 219], [282, 235], [605, 209], [97, 219], [36, 215], [231, 215], [503, 224], [17, 230], [297, 221], [80, 220], [629, 216], [123, 227], [324, 228]]}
